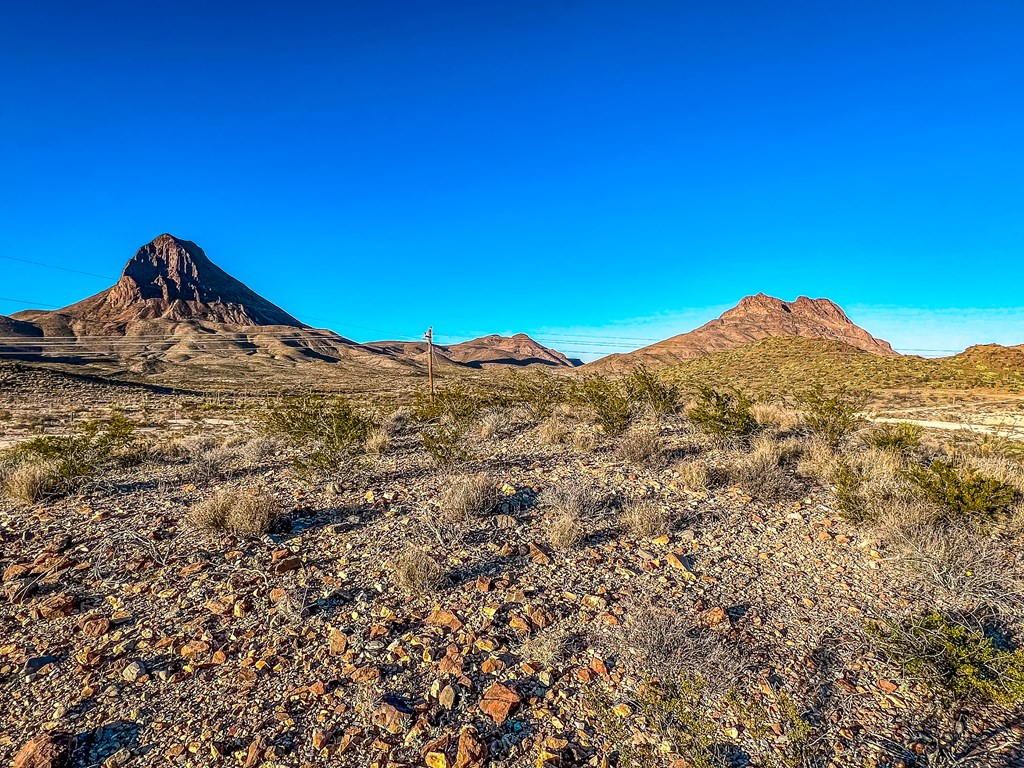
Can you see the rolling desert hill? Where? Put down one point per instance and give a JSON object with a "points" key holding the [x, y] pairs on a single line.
{"points": [[173, 305], [755, 317]]}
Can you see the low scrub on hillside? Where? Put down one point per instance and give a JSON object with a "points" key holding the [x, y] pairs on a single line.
{"points": [[963, 493], [724, 416], [898, 438], [607, 400], [832, 415], [62, 461], [960, 661], [326, 431], [647, 390]]}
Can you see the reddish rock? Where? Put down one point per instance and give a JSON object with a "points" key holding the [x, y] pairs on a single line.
{"points": [[48, 750], [56, 606], [499, 702], [472, 751]]}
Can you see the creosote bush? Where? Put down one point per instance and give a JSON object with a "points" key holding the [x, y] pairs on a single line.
{"points": [[327, 432], [963, 493], [540, 393], [725, 416], [95, 446], [958, 660], [607, 400], [898, 438], [237, 510], [417, 572], [446, 444], [454, 404], [832, 415], [646, 390], [554, 431]]}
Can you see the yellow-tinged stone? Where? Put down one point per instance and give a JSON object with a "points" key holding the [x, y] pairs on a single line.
{"points": [[508, 490], [622, 710], [436, 760]]}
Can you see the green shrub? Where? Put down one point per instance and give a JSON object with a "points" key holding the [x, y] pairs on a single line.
{"points": [[445, 444], [832, 415], [608, 401], [94, 447], [966, 494], [326, 431], [723, 415], [955, 659], [539, 393], [898, 438], [646, 389], [846, 484], [454, 404]]}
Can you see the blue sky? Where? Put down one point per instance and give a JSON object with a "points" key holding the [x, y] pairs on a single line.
{"points": [[595, 172]]}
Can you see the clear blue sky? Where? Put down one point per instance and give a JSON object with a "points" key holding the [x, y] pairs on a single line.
{"points": [[564, 168]]}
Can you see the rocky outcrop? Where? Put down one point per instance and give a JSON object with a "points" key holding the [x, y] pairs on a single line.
{"points": [[755, 317]]}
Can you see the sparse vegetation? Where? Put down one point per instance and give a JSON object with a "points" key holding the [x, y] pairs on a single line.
{"points": [[646, 390], [32, 481], [647, 518], [725, 416], [327, 432], [898, 438], [466, 496], [642, 447], [607, 400], [832, 415], [575, 506], [445, 444], [417, 572], [246, 512], [963, 493], [962, 662]]}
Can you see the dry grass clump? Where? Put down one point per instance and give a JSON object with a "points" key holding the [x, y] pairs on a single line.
{"points": [[211, 464], [417, 572], [550, 647], [958, 570], [584, 440], [466, 496], [400, 420], [236, 510], [818, 460], [775, 415], [575, 506], [761, 473], [492, 424], [555, 431], [31, 481], [1003, 469], [378, 440], [643, 448], [647, 518], [256, 450]]}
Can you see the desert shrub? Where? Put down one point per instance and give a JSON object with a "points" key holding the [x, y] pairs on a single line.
{"points": [[257, 450], [697, 473], [32, 481], [775, 415], [575, 505], [646, 518], [237, 510], [962, 493], [540, 393], [955, 659], [898, 438], [491, 424], [724, 416], [643, 447], [327, 432], [762, 724], [646, 390], [584, 440], [551, 646], [94, 446], [466, 496], [398, 421], [455, 405], [378, 441], [761, 476], [554, 431], [211, 464], [817, 461], [416, 571], [445, 444], [847, 482], [832, 415], [959, 570], [607, 400]]}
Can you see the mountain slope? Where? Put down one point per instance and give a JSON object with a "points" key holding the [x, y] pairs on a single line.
{"points": [[755, 317], [518, 350]]}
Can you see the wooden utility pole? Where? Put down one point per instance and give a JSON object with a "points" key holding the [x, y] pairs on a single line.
{"points": [[430, 360]]}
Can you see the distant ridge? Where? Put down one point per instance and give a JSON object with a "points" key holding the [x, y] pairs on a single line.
{"points": [[173, 305], [755, 317]]}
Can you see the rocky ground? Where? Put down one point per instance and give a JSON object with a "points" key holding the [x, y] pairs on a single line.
{"points": [[734, 633]]}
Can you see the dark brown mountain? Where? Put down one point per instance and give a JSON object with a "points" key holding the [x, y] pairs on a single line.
{"points": [[755, 317]]}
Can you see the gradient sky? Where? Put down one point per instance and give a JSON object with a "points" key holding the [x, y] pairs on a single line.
{"points": [[594, 173]]}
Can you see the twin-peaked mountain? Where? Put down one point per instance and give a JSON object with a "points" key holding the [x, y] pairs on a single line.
{"points": [[172, 304]]}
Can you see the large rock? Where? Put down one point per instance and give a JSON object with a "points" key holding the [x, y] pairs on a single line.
{"points": [[47, 750]]}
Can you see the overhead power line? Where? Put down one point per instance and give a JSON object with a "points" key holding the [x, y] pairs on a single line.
{"points": [[55, 266]]}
